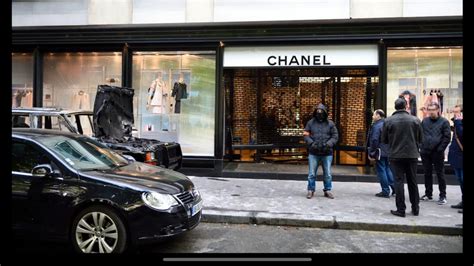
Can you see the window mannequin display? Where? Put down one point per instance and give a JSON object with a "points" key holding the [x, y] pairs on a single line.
{"points": [[435, 96], [22, 98], [179, 92], [80, 101], [410, 98], [158, 94]]}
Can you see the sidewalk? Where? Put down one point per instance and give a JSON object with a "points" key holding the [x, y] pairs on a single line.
{"points": [[284, 202]]}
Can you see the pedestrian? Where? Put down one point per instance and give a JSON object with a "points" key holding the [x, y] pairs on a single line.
{"points": [[436, 137], [378, 152], [321, 136], [455, 155], [403, 133]]}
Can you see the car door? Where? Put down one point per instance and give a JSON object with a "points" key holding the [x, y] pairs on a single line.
{"points": [[41, 205]]}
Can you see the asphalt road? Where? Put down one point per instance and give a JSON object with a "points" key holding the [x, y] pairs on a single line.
{"points": [[245, 238]]}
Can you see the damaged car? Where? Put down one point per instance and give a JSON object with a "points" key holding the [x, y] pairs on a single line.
{"points": [[111, 123]]}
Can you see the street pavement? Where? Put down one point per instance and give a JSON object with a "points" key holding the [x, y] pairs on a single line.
{"points": [[355, 207]]}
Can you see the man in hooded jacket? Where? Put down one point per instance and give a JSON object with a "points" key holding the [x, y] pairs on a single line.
{"points": [[321, 136]]}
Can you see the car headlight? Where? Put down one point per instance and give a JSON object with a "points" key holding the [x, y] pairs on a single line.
{"points": [[158, 201]]}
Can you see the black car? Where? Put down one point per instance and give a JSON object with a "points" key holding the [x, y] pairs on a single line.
{"points": [[70, 187]]}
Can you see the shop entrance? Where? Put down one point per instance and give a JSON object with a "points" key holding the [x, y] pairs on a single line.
{"points": [[267, 109]]}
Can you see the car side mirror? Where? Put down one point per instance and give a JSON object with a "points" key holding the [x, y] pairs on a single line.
{"points": [[129, 158], [42, 170]]}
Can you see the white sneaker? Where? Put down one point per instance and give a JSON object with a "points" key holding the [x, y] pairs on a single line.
{"points": [[442, 201]]}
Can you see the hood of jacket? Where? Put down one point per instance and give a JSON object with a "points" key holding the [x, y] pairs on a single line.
{"points": [[321, 107]]}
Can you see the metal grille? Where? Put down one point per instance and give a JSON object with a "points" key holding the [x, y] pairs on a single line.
{"points": [[185, 197], [263, 111]]}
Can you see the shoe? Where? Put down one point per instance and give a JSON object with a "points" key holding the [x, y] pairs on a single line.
{"points": [[380, 194], [457, 206], [460, 211], [328, 194], [393, 191], [442, 201], [415, 212], [426, 198], [310, 194], [398, 213]]}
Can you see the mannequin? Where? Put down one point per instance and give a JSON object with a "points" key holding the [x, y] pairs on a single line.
{"points": [[179, 92], [158, 96], [80, 101], [410, 98]]}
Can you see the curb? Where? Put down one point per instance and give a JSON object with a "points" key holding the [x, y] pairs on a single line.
{"points": [[323, 222]]}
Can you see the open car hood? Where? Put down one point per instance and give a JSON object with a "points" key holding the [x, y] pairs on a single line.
{"points": [[113, 112]]}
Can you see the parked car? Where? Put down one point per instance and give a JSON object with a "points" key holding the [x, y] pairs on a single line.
{"points": [[116, 134], [70, 187]]}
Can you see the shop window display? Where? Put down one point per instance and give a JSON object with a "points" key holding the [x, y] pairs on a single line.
{"points": [[425, 75], [175, 98], [70, 79], [22, 80]]}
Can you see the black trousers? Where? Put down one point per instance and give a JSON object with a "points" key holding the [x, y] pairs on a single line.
{"points": [[436, 159], [400, 169]]}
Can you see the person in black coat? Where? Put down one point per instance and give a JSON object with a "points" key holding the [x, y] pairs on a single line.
{"points": [[403, 133], [455, 155], [437, 134], [321, 135]]}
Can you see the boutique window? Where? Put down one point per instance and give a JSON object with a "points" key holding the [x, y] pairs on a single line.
{"points": [[22, 80], [424, 75], [71, 79], [175, 98]]}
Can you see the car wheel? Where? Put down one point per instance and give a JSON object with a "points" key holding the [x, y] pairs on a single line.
{"points": [[98, 229]]}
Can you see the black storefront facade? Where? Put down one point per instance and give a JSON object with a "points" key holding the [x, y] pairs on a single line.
{"points": [[190, 44]]}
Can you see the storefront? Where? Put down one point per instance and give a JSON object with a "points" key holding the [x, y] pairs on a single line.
{"points": [[213, 87], [272, 91]]}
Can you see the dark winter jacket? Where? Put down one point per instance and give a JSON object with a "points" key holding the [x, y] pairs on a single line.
{"points": [[455, 155], [323, 135], [403, 133], [374, 137], [436, 135]]}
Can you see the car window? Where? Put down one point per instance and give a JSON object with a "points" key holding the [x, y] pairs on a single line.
{"points": [[21, 121], [83, 153], [25, 156], [52, 122], [82, 121]]}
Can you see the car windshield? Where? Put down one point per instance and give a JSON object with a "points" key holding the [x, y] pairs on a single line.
{"points": [[83, 153]]}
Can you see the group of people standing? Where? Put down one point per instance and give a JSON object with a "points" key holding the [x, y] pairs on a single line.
{"points": [[395, 144]]}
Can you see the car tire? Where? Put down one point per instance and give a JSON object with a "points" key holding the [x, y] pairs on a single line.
{"points": [[98, 229]]}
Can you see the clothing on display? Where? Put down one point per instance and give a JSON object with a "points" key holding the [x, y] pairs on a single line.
{"points": [[158, 97], [411, 102], [179, 92], [81, 101], [22, 98], [435, 96]]}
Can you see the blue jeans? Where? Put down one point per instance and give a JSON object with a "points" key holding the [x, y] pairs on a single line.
{"points": [[460, 175], [385, 175], [314, 161]]}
